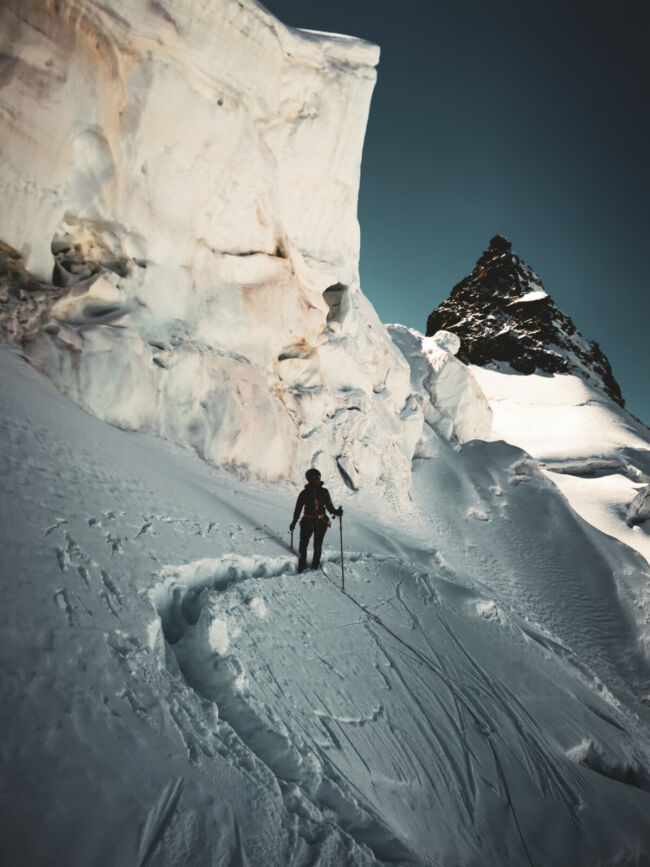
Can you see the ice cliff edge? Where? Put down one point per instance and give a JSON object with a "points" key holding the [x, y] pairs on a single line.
{"points": [[182, 179]]}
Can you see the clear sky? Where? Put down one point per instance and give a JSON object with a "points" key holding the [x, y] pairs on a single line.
{"points": [[521, 117]]}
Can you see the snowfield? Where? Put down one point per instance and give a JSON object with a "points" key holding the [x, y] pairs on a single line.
{"points": [[596, 453], [175, 693]]}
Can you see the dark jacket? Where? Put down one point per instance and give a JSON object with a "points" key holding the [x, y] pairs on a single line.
{"points": [[314, 499]]}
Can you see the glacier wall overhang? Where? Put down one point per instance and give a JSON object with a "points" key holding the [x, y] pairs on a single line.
{"points": [[186, 175]]}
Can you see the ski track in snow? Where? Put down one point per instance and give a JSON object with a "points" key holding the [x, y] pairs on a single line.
{"points": [[218, 677], [183, 594], [186, 593], [267, 694], [157, 818]]}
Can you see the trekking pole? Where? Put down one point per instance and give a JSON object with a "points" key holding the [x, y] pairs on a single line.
{"points": [[292, 540], [342, 569]]}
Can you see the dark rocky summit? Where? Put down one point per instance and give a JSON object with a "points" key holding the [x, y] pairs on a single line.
{"points": [[502, 313]]}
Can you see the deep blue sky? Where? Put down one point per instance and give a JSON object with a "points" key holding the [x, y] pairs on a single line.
{"points": [[514, 116]]}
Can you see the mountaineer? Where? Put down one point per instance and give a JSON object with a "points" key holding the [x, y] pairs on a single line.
{"points": [[315, 500]]}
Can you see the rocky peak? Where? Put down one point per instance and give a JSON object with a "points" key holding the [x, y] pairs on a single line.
{"points": [[502, 313]]}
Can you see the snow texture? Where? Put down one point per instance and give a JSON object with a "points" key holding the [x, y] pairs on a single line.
{"points": [[595, 452], [193, 216], [452, 401], [152, 716]]}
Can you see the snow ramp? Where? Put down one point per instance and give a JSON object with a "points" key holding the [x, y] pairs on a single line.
{"points": [[393, 722]]}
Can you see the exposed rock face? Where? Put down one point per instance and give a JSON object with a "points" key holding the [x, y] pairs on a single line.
{"points": [[501, 312]]}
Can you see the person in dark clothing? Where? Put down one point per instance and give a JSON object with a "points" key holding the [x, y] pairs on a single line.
{"points": [[316, 501]]}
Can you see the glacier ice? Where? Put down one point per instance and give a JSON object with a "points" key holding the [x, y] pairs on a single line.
{"points": [[195, 205], [453, 403]]}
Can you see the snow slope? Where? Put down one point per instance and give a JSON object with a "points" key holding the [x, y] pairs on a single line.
{"points": [[179, 255], [595, 452], [175, 693]]}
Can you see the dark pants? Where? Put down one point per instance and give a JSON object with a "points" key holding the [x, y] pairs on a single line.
{"points": [[307, 527]]}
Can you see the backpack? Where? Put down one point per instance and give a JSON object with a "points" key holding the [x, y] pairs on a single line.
{"points": [[315, 503]]}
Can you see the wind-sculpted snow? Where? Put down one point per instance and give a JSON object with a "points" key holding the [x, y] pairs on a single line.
{"points": [[386, 752], [174, 692], [183, 181], [595, 452], [452, 400]]}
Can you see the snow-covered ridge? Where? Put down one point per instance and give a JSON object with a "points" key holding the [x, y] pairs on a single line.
{"points": [[593, 451], [187, 175], [553, 394], [161, 652]]}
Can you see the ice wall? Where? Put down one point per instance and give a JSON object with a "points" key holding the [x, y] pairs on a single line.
{"points": [[452, 401], [187, 175]]}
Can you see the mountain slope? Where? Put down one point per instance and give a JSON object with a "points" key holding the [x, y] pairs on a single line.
{"points": [[175, 692], [552, 393]]}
